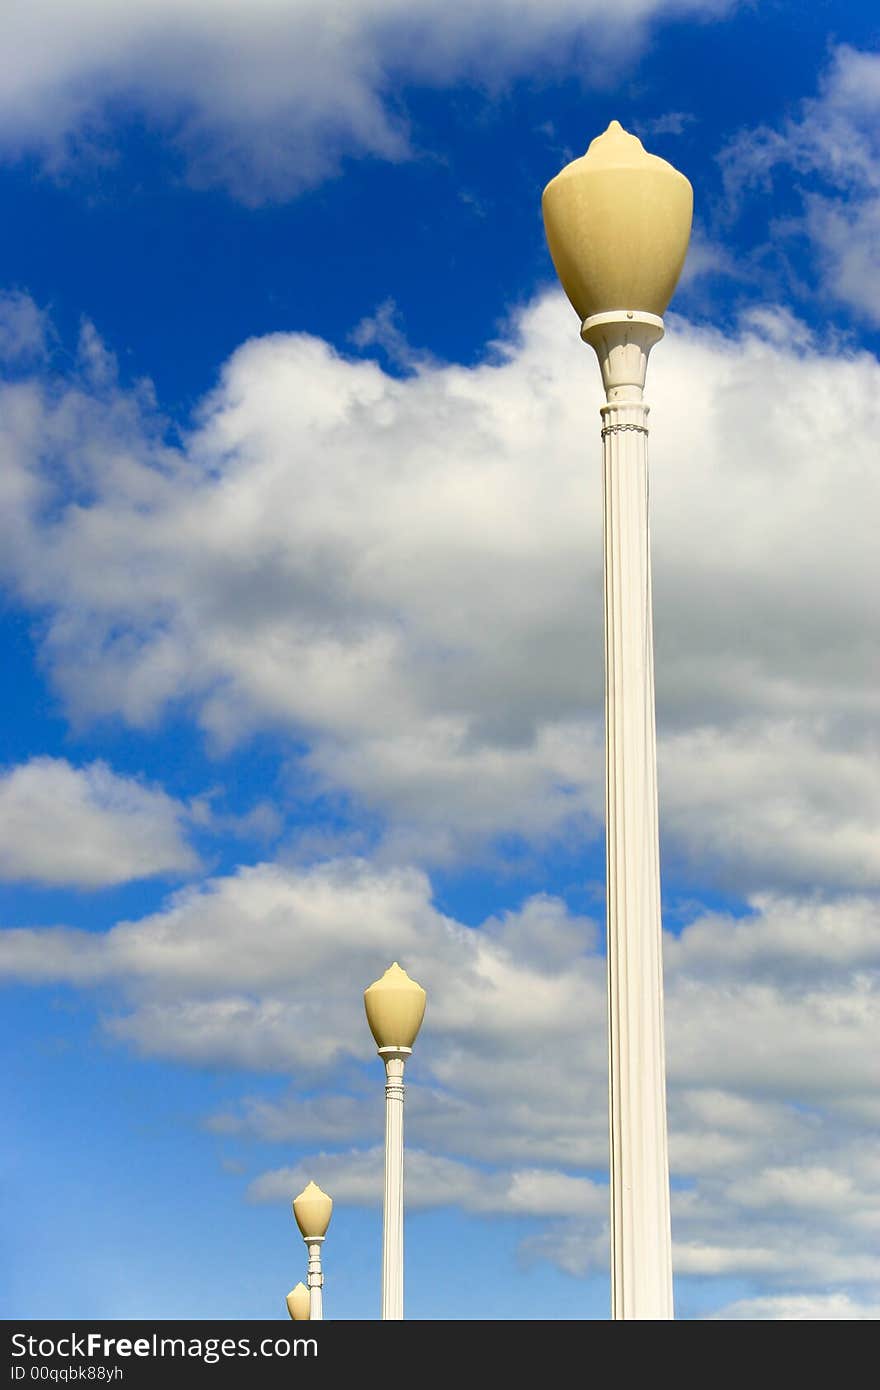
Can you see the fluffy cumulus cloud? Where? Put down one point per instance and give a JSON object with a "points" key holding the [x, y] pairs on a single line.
{"points": [[268, 98], [358, 1178], [833, 141], [230, 967], [776, 1162], [24, 330], [800, 1308], [87, 826], [403, 577]]}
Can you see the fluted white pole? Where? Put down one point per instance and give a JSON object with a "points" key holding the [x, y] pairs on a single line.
{"points": [[315, 1278], [392, 1227], [641, 1245]]}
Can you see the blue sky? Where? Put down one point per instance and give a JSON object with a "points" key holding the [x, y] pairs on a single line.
{"points": [[300, 556]]}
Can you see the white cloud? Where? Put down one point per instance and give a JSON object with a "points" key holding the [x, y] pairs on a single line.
{"points": [[770, 1023], [762, 820], [804, 941], [783, 1254], [835, 1307], [87, 826], [268, 966], [801, 1187], [405, 576], [356, 1178], [834, 141], [23, 328], [267, 99], [752, 1004]]}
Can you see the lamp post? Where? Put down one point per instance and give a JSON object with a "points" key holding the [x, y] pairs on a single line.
{"points": [[313, 1209], [618, 223], [299, 1303], [395, 1007]]}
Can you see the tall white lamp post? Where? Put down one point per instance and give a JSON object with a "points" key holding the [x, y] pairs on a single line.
{"points": [[299, 1303], [395, 1007], [313, 1209], [618, 222]]}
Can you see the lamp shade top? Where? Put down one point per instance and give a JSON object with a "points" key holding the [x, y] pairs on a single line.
{"points": [[618, 222], [312, 1209], [395, 1007], [299, 1303]]}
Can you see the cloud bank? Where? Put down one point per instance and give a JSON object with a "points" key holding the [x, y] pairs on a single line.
{"points": [[269, 99], [87, 827], [830, 152], [403, 578], [776, 1162]]}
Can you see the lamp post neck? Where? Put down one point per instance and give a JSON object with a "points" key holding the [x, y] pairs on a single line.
{"points": [[395, 1061], [622, 340]]}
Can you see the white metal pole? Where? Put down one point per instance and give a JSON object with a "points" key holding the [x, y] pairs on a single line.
{"points": [[641, 1244], [315, 1278], [392, 1227]]}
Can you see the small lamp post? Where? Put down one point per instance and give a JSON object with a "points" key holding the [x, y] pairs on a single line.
{"points": [[395, 1007], [313, 1209], [618, 222], [299, 1303]]}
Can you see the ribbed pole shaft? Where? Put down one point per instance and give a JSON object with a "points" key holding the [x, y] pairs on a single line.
{"points": [[315, 1280], [641, 1244], [392, 1230]]}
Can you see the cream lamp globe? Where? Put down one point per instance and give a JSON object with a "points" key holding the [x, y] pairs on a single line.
{"points": [[313, 1209], [298, 1303], [395, 1007], [618, 222]]}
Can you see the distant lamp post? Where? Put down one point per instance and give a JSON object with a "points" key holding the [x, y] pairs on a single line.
{"points": [[395, 1007], [299, 1303], [618, 222], [313, 1209]]}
